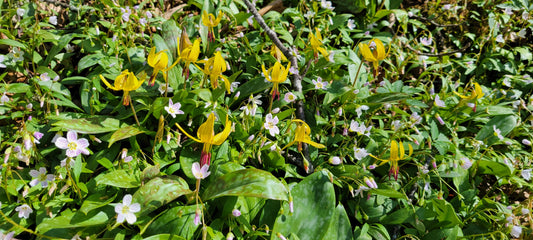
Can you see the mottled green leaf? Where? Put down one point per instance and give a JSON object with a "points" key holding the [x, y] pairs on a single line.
{"points": [[13, 43], [91, 125], [340, 227], [119, 178], [69, 219], [123, 133], [493, 168], [505, 123], [247, 183], [160, 191], [96, 201], [314, 206], [445, 213], [89, 61], [178, 220]]}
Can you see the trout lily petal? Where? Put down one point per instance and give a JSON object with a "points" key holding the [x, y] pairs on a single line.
{"points": [[373, 52], [206, 135], [187, 51], [210, 21], [214, 67], [276, 74], [159, 61], [477, 93], [397, 153], [316, 44], [126, 81], [301, 135]]}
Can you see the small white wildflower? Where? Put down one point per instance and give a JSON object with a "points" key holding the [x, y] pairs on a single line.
{"points": [[439, 102], [173, 108], [41, 177], [522, 33], [2, 59], [233, 86], [17, 55], [359, 110], [497, 132], [319, 84], [309, 14], [524, 211], [53, 20], [466, 163], [24, 211], [335, 160], [270, 125], [516, 231], [20, 12], [163, 87], [351, 24], [126, 210], [396, 125], [289, 97], [525, 15], [508, 11], [360, 153], [526, 174], [200, 172], [149, 14], [426, 41], [327, 5], [4, 99], [143, 21], [526, 142], [499, 38]]}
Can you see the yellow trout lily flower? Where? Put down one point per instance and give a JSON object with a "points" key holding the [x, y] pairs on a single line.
{"points": [[276, 53], [477, 93], [394, 157], [159, 61], [276, 74], [206, 135], [126, 81], [214, 67], [187, 51], [373, 52], [316, 44], [210, 22], [301, 135]]}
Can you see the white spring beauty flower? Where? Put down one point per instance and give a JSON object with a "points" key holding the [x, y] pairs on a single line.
{"points": [[126, 210]]}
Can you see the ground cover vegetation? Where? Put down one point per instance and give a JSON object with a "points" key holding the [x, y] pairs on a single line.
{"points": [[232, 119]]}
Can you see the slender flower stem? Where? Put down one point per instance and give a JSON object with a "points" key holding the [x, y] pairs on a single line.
{"points": [[357, 74], [25, 229], [134, 113]]}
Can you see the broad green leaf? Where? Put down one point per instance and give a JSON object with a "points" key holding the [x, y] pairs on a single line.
{"points": [[337, 89], [91, 125], [89, 61], [178, 220], [340, 227], [314, 207], [445, 213], [164, 237], [160, 191], [170, 35], [247, 183], [95, 201], [400, 216], [451, 233], [17, 88], [12, 43], [389, 192], [69, 219], [119, 178], [123, 133], [505, 123], [386, 97], [493, 168]]}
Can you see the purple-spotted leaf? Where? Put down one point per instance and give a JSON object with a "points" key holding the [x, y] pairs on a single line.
{"points": [[247, 183], [160, 191], [124, 133]]}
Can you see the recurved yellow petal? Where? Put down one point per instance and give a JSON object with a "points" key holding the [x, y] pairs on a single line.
{"points": [[222, 136], [107, 84]]}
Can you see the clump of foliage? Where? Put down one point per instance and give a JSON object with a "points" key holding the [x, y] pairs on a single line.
{"points": [[314, 120]]}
